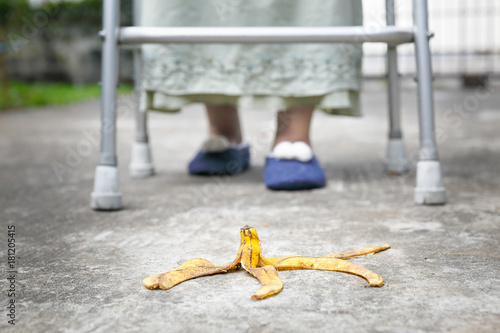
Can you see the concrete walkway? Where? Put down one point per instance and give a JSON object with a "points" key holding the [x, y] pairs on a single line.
{"points": [[81, 271]]}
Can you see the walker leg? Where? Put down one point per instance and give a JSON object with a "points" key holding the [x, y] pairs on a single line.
{"points": [[141, 163], [429, 189], [396, 161], [106, 194]]}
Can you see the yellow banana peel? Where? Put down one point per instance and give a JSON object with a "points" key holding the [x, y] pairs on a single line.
{"points": [[265, 269]]}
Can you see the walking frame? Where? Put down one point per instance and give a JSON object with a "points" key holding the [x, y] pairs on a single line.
{"points": [[429, 189]]}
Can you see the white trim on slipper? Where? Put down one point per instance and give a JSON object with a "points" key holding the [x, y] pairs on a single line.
{"points": [[287, 150], [219, 143]]}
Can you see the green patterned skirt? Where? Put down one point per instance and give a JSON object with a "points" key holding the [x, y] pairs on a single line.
{"points": [[264, 76]]}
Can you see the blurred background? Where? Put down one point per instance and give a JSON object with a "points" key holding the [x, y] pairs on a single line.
{"points": [[466, 44], [50, 52]]}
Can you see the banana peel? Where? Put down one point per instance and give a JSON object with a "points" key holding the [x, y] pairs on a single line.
{"points": [[266, 269]]}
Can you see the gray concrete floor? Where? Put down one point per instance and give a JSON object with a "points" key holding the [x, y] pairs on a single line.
{"points": [[81, 271]]}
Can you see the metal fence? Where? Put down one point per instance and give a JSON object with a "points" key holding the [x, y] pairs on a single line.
{"points": [[466, 41]]}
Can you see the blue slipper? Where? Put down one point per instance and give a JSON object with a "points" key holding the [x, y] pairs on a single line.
{"points": [[220, 160], [293, 175], [293, 166]]}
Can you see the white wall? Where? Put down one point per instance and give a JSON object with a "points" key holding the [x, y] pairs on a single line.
{"points": [[465, 32]]}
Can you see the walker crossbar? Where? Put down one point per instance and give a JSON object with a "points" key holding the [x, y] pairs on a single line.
{"points": [[429, 189], [356, 34]]}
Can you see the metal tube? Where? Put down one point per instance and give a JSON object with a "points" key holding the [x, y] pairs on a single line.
{"points": [[111, 10], [428, 149], [393, 78], [140, 115], [355, 34]]}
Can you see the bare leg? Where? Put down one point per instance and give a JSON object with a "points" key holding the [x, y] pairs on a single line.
{"points": [[224, 120], [293, 125]]}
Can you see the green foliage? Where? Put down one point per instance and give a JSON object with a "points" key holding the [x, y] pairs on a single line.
{"points": [[61, 14], [45, 94], [56, 20], [11, 11]]}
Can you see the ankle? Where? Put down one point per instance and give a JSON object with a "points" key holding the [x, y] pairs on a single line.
{"points": [[293, 125], [224, 121], [231, 136], [291, 138]]}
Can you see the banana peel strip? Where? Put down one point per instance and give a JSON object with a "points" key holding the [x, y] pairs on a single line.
{"points": [[250, 258]]}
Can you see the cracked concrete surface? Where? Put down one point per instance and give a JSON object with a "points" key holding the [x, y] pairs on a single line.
{"points": [[81, 271]]}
